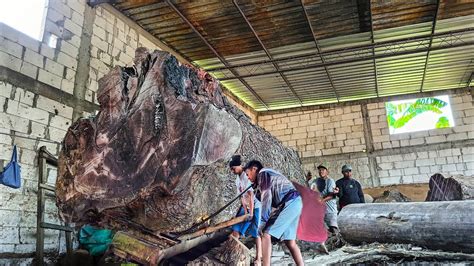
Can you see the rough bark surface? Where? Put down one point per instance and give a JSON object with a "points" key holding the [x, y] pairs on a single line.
{"points": [[156, 154], [392, 195], [446, 225], [456, 187], [233, 252], [230, 252]]}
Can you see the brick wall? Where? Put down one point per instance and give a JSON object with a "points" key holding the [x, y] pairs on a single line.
{"points": [[27, 114], [339, 134]]}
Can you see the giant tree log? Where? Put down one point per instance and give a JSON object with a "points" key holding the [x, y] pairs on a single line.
{"points": [[156, 153], [447, 225]]}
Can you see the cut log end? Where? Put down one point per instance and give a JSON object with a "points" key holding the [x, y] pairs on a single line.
{"points": [[156, 153]]}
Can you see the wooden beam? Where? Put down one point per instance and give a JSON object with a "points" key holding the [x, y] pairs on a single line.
{"points": [[212, 229]]}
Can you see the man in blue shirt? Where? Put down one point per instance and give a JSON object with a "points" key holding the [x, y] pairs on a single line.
{"points": [[350, 190], [276, 191]]}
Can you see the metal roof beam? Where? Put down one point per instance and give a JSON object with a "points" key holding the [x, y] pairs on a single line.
{"points": [[319, 49], [384, 44], [433, 27], [267, 52], [216, 53], [373, 48], [352, 60]]}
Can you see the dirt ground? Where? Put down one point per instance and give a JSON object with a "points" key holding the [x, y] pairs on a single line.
{"points": [[416, 192], [377, 254]]}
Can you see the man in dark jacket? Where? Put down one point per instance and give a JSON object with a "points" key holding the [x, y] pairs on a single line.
{"points": [[350, 190]]}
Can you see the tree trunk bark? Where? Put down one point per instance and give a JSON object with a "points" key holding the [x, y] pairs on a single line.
{"points": [[233, 252], [156, 154], [457, 187], [445, 225]]}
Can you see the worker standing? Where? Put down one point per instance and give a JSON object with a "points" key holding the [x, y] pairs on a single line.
{"points": [[278, 192], [328, 190], [250, 205], [350, 190]]}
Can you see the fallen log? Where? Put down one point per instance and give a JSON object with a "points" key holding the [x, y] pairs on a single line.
{"points": [[156, 154], [445, 225], [457, 187]]}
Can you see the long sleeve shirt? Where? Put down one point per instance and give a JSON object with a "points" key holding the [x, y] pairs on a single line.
{"points": [[350, 191], [273, 186]]}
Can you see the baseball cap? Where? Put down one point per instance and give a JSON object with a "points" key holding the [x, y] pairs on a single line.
{"points": [[346, 167], [322, 166]]}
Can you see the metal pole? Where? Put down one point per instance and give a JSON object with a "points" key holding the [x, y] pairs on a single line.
{"points": [[429, 45], [373, 48], [40, 212]]}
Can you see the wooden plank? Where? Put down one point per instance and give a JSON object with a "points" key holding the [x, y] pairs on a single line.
{"points": [[212, 229], [56, 227], [47, 187], [50, 159], [129, 246]]}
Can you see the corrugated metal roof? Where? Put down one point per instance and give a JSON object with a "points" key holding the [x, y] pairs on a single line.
{"points": [[319, 51]]}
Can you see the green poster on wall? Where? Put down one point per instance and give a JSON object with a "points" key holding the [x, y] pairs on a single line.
{"points": [[419, 114]]}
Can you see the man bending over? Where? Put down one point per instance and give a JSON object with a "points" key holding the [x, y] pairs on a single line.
{"points": [[278, 192]]}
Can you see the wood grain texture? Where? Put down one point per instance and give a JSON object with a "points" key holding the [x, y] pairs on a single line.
{"points": [[156, 154]]}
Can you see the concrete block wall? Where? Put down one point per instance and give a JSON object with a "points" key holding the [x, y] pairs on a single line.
{"points": [[447, 150], [44, 121], [357, 133], [318, 132]]}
